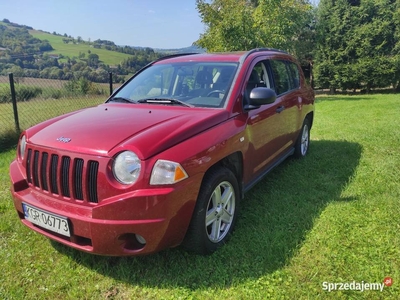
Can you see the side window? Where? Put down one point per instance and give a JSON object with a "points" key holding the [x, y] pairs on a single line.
{"points": [[283, 82], [294, 72], [286, 75], [259, 77], [254, 80]]}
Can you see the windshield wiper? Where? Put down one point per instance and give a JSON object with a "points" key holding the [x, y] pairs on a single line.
{"points": [[167, 101], [122, 100]]}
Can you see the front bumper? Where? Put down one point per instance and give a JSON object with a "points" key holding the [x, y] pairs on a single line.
{"points": [[159, 215]]}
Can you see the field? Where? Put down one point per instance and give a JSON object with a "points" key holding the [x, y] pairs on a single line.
{"points": [[332, 217], [38, 110], [56, 41], [42, 107], [53, 100], [46, 83]]}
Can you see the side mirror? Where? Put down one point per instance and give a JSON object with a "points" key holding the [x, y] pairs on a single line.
{"points": [[260, 96]]}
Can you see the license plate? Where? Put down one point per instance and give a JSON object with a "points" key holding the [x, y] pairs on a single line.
{"points": [[46, 220]]}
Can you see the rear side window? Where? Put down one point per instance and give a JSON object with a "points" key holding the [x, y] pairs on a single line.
{"points": [[286, 76], [294, 72]]}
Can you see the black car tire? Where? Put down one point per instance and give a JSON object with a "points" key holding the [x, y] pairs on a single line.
{"points": [[303, 141], [215, 212]]}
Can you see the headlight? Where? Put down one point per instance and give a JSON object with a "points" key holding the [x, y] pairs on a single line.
{"points": [[22, 147], [126, 167], [167, 172]]}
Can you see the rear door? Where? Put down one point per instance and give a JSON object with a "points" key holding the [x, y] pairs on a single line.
{"points": [[286, 82]]}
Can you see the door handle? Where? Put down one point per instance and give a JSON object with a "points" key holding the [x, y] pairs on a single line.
{"points": [[280, 109]]}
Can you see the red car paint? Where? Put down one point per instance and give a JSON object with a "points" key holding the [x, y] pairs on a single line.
{"points": [[67, 168]]}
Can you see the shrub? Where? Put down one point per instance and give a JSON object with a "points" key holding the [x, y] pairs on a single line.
{"points": [[22, 93], [53, 93], [5, 94], [8, 139], [82, 86]]}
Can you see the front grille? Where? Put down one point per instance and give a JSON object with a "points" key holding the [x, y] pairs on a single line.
{"points": [[65, 176]]}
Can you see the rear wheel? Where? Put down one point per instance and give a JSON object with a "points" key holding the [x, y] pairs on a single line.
{"points": [[215, 212], [303, 141]]}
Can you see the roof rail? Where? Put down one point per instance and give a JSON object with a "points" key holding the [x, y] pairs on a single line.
{"points": [[173, 55], [247, 54]]}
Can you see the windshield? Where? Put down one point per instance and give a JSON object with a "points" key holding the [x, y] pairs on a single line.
{"points": [[200, 84]]}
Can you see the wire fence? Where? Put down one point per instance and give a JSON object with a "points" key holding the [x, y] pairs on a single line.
{"points": [[25, 102]]}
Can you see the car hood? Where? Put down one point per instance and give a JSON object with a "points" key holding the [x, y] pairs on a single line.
{"points": [[145, 129]]}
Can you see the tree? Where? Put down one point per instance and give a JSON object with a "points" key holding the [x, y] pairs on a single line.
{"points": [[93, 60], [229, 25], [242, 24], [356, 44], [18, 73], [396, 49]]}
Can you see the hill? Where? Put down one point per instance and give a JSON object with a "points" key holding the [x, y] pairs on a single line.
{"points": [[72, 49], [27, 52], [67, 46]]}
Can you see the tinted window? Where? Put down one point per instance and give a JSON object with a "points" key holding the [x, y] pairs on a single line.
{"points": [[294, 72], [281, 76], [286, 76]]}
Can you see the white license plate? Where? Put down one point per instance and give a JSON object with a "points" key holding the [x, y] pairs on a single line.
{"points": [[46, 220]]}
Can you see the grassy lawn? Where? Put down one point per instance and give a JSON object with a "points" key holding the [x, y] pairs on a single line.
{"points": [[332, 217]]}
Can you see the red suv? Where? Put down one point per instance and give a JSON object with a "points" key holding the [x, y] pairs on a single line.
{"points": [[168, 157]]}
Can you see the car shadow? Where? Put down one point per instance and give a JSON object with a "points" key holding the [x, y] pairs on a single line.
{"points": [[323, 98], [8, 140], [275, 217]]}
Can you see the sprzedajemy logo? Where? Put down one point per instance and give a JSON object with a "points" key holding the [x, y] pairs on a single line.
{"points": [[356, 286]]}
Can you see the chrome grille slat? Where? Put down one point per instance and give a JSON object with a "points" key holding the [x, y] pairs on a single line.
{"points": [[62, 175]]}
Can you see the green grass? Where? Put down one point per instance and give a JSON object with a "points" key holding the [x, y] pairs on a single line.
{"points": [[331, 217], [71, 50]]}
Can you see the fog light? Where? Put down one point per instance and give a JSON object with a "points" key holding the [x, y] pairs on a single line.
{"points": [[140, 239], [132, 241]]}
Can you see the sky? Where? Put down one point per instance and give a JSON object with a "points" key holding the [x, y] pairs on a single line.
{"points": [[163, 24]]}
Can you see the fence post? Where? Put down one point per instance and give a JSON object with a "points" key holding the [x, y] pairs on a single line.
{"points": [[111, 82], [14, 102]]}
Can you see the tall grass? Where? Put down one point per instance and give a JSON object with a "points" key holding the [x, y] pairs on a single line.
{"points": [[331, 217]]}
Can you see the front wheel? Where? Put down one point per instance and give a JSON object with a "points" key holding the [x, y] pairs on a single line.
{"points": [[303, 141], [215, 212]]}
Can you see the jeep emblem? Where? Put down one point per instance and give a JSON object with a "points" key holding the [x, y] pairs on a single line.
{"points": [[63, 139]]}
